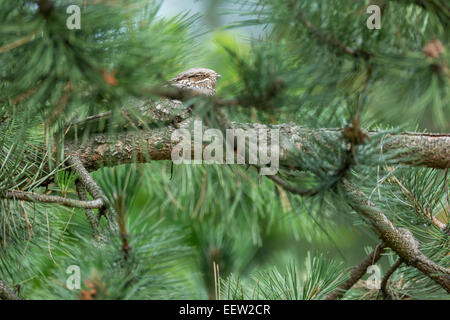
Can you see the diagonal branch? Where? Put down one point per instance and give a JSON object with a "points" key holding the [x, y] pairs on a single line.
{"points": [[292, 189], [400, 240], [93, 188], [357, 273], [384, 283], [93, 220], [417, 206]]}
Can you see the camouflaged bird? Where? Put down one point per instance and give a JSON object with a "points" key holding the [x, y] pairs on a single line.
{"points": [[138, 113], [199, 79]]}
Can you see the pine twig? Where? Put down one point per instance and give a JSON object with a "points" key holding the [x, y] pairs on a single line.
{"points": [[419, 209], [93, 188], [93, 220], [384, 283], [292, 189], [358, 272], [18, 43], [43, 198]]}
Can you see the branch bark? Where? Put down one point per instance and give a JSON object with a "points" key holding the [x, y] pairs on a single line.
{"points": [[384, 283], [358, 272], [93, 220], [92, 187], [417, 149], [43, 198], [400, 240]]}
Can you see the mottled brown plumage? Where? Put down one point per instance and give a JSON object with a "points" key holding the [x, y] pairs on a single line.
{"points": [[139, 112], [201, 79], [197, 78]]}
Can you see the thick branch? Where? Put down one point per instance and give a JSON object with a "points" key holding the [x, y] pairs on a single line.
{"points": [[400, 240], [358, 272], [429, 150]]}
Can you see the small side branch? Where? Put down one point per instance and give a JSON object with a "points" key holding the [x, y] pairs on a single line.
{"points": [[384, 283], [292, 189], [358, 272], [330, 41], [417, 206], [6, 293], [93, 220], [43, 198], [85, 178], [92, 187]]}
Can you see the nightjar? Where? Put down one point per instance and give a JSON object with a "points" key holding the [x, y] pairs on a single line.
{"points": [[139, 113], [200, 79]]}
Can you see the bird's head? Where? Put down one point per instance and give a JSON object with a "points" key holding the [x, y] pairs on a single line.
{"points": [[197, 78]]}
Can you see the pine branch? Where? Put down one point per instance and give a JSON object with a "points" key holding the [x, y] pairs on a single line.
{"points": [[358, 272], [92, 187], [286, 186], [429, 150], [416, 149], [18, 43], [384, 283], [93, 220], [43, 198], [400, 240]]}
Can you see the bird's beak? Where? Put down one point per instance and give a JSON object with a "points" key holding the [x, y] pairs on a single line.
{"points": [[218, 76]]}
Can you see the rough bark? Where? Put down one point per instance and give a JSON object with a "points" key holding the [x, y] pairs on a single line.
{"points": [[93, 220], [418, 149], [94, 189], [400, 240], [358, 272], [384, 283], [43, 198]]}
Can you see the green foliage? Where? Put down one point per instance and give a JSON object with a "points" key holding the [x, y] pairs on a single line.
{"points": [[324, 35], [221, 232], [320, 278], [152, 272]]}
